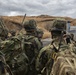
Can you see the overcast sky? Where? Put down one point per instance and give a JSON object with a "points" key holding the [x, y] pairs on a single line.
{"points": [[38, 7]]}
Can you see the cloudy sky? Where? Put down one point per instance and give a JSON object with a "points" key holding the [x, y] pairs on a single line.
{"points": [[38, 7]]}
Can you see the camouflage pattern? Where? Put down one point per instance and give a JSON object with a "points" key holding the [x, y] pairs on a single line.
{"points": [[70, 40], [47, 55], [32, 45], [39, 33], [73, 47], [4, 68], [64, 63], [3, 30], [45, 58], [30, 25], [21, 51], [32, 48], [39, 36], [59, 24], [13, 44], [19, 64], [14, 54]]}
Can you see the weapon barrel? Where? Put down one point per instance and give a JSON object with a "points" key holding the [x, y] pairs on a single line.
{"points": [[23, 19]]}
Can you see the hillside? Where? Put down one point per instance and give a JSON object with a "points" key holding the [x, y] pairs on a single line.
{"points": [[43, 22]]}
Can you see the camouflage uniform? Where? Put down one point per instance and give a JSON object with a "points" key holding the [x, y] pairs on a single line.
{"points": [[46, 55], [32, 45], [40, 35], [70, 41], [4, 67], [14, 55], [43, 60], [3, 31]]}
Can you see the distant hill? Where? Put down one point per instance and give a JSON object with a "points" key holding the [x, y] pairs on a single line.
{"points": [[43, 22]]}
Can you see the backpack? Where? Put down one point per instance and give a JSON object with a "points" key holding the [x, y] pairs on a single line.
{"points": [[14, 54], [29, 47], [65, 63], [12, 47], [19, 64]]}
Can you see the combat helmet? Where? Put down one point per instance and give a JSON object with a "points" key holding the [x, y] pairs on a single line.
{"points": [[40, 31], [30, 25], [59, 26], [59, 23]]}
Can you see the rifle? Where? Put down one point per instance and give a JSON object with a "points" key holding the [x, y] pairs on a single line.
{"points": [[23, 19], [22, 22]]}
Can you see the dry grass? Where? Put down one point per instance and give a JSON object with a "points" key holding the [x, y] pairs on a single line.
{"points": [[43, 22], [46, 35]]}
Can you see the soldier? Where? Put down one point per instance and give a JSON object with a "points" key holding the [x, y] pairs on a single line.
{"points": [[3, 34], [40, 35], [4, 68], [46, 55], [3, 31], [32, 45]]}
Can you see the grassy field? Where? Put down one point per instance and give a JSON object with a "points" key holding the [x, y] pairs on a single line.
{"points": [[44, 22]]}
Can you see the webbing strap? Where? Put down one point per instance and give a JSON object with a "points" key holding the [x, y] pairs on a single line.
{"points": [[69, 63]]}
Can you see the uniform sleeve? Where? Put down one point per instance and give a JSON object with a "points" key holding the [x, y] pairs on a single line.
{"points": [[39, 61], [36, 46], [42, 58], [38, 43]]}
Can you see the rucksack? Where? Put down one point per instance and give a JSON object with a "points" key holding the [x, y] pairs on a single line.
{"points": [[14, 54], [19, 64], [65, 63], [11, 46], [29, 47]]}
